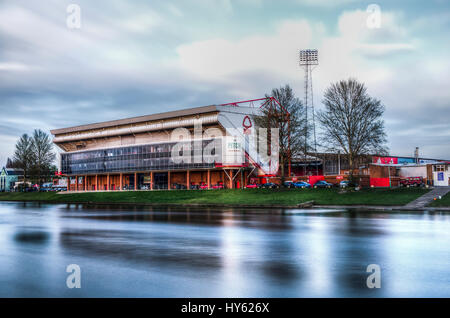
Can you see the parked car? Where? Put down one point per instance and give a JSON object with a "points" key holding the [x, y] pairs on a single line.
{"points": [[323, 184], [219, 185], [58, 188], [46, 187], [252, 186], [347, 184], [411, 182], [203, 186], [288, 184], [302, 185], [179, 186], [270, 185]]}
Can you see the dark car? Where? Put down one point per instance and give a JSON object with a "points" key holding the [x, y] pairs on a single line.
{"points": [[323, 184], [302, 185], [270, 185], [347, 184], [178, 186], [288, 184]]}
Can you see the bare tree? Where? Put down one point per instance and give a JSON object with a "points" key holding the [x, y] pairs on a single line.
{"points": [[42, 153], [277, 118], [11, 163], [23, 155], [352, 121]]}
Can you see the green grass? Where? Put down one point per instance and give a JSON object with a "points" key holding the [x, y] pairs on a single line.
{"points": [[263, 197], [444, 202]]}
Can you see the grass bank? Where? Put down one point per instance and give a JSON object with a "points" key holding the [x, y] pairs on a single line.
{"points": [[262, 197], [444, 202]]}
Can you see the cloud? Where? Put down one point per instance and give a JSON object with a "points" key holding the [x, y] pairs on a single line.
{"points": [[324, 3], [220, 60], [12, 66], [175, 10], [355, 51], [343, 55]]}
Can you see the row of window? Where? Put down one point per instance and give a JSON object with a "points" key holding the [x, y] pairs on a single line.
{"points": [[161, 149], [130, 159]]}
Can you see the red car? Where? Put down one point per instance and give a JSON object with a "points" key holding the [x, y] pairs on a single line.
{"points": [[218, 186], [411, 182], [203, 186], [252, 186]]}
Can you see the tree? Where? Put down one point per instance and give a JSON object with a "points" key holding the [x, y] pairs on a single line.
{"points": [[276, 118], [23, 154], [11, 163], [352, 121], [42, 153]]}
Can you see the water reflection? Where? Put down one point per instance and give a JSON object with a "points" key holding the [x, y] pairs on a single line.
{"points": [[32, 236], [134, 251]]}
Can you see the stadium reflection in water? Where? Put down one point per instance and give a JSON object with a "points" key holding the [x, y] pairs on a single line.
{"points": [[199, 252]]}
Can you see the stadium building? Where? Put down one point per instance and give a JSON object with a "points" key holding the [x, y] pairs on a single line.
{"points": [[137, 153]]}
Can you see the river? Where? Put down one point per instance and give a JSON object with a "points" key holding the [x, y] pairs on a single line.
{"points": [[212, 252]]}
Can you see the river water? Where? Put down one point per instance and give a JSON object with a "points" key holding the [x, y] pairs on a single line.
{"points": [[211, 252]]}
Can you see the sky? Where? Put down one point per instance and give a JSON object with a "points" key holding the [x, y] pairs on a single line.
{"points": [[131, 58]]}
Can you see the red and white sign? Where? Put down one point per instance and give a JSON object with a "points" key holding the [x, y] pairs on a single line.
{"points": [[247, 124], [385, 160]]}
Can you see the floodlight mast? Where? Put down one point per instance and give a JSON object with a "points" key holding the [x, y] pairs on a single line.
{"points": [[309, 59]]}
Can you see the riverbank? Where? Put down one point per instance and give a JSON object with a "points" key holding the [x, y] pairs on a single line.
{"points": [[444, 202], [248, 197]]}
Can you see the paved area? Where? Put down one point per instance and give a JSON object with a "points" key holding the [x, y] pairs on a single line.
{"points": [[427, 198]]}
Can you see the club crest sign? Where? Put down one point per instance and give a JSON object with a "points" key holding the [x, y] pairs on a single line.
{"points": [[247, 124]]}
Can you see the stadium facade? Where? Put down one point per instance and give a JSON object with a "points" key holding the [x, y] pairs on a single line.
{"points": [[138, 153]]}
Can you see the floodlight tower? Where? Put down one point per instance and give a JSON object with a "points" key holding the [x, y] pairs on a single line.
{"points": [[309, 59]]}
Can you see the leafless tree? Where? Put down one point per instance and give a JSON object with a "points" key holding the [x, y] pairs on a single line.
{"points": [[277, 118], [34, 155], [352, 121], [23, 155], [42, 153]]}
